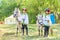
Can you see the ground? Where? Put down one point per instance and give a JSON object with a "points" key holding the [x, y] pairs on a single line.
{"points": [[8, 32]]}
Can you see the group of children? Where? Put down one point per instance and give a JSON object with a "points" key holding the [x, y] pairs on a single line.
{"points": [[43, 21]]}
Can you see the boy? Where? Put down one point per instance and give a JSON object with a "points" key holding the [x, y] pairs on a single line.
{"points": [[47, 23], [25, 21]]}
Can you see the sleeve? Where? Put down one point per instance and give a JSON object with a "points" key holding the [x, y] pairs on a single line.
{"points": [[27, 19]]}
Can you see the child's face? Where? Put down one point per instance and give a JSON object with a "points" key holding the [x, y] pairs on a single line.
{"points": [[24, 11], [47, 12]]}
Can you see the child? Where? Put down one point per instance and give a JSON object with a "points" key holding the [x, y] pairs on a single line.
{"points": [[25, 21], [47, 23]]}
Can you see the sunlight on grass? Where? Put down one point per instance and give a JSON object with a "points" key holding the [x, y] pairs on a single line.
{"points": [[9, 33]]}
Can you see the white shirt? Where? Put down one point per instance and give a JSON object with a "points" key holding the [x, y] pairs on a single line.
{"points": [[25, 18], [46, 19]]}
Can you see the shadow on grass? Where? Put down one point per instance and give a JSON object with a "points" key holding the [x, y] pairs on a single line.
{"points": [[8, 34], [33, 36]]}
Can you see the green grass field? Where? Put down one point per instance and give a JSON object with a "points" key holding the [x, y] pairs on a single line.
{"points": [[8, 32]]}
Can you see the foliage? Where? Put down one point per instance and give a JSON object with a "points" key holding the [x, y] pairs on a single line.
{"points": [[33, 7]]}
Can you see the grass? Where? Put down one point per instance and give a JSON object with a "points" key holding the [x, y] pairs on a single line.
{"points": [[8, 32]]}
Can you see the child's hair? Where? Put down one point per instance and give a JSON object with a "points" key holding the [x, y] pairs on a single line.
{"points": [[24, 9], [47, 9]]}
